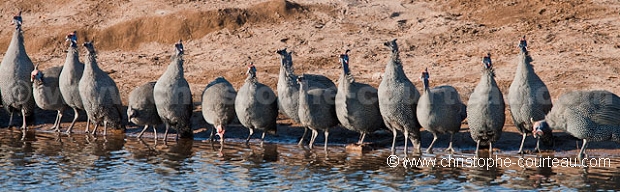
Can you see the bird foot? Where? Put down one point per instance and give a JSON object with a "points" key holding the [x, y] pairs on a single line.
{"points": [[429, 151], [449, 149]]}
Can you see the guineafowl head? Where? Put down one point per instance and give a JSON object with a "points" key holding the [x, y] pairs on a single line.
{"points": [[17, 20], [303, 82], [488, 64], [286, 60], [344, 60], [424, 77], [131, 113], [251, 71], [89, 47], [72, 38], [36, 76], [542, 130], [392, 45], [523, 45], [179, 48]]}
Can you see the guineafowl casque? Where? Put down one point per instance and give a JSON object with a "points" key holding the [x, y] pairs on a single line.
{"points": [[357, 106], [528, 96], [288, 89], [316, 109], [256, 106], [100, 95], [486, 109], [440, 110], [398, 98], [218, 105], [69, 79], [588, 115], [173, 97], [46, 92], [15, 77], [142, 110]]}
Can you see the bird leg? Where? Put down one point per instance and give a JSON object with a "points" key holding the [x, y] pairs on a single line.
{"points": [[10, 120], [75, 117], [406, 133], [416, 145], [490, 149], [395, 133], [247, 141], [301, 140], [96, 126], [450, 145], [583, 150], [477, 148], [430, 147], [87, 125], [315, 133], [105, 128], [212, 133], [522, 141], [326, 136], [54, 127], [155, 132], [142, 132], [262, 138], [537, 149], [166, 133], [361, 141], [59, 117], [24, 126]]}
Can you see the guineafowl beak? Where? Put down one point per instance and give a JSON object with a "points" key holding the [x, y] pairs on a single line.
{"points": [[17, 20]]}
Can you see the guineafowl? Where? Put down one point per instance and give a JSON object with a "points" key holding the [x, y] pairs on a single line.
{"points": [[528, 96], [486, 109], [69, 79], [588, 115], [256, 106], [316, 109], [15, 77], [357, 107], [173, 97], [218, 105], [100, 95], [398, 98], [142, 110], [46, 92], [288, 89], [440, 110]]}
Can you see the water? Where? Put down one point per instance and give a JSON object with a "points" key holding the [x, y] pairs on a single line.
{"points": [[57, 162]]}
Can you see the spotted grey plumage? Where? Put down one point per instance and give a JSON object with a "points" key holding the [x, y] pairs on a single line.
{"points": [[173, 97], [15, 77], [528, 96], [316, 109], [588, 115], [100, 95], [357, 106], [256, 106], [288, 88], [142, 110], [486, 109], [440, 110], [69, 79], [398, 98], [46, 92], [218, 105]]}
